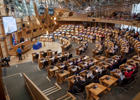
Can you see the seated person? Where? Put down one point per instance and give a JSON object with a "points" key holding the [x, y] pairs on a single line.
{"points": [[91, 62], [111, 67], [101, 70], [83, 69], [128, 73], [70, 55], [77, 72], [80, 59], [77, 85], [122, 76], [88, 66], [91, 74], [21, 39], [65, 67], [86, 79], [76, 62]]}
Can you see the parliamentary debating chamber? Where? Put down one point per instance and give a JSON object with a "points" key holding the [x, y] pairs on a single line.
{"points": [[69, 49]]}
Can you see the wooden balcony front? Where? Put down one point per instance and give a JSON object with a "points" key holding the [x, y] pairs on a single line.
{"points": [[102, 20]]}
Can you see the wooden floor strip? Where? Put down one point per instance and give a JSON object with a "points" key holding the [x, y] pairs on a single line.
{"points": [[62, 97], [11, 75]]}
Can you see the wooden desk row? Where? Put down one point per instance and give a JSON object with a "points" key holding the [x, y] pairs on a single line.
{"points": [[123, 43], [98, 48], [83, 46], [60, 73], [65, 44], [48, 52], [94, 89], [134, 43]]}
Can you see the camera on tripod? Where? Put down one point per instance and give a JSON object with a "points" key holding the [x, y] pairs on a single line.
{"points": [[5, 61]]}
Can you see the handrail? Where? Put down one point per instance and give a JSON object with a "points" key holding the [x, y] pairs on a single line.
{"points": [[35, 92]]}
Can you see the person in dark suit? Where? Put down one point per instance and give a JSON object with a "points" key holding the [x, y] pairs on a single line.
{"points": [[75, 62], [77, 85], [21, 39], [65, 67]]}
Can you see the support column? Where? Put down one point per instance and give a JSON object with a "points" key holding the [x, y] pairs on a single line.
{"points": [[105, 25]]}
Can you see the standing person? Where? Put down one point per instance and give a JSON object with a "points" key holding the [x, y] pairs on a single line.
{"points": [[19, 53]]}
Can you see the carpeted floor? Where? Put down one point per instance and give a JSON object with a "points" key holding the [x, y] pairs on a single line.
{"points": [[17, 90]]}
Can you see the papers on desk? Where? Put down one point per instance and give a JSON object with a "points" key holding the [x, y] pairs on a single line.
{"points": [[74, 69], [129, 67], [62, 66], [109, 63], [85, 57]]}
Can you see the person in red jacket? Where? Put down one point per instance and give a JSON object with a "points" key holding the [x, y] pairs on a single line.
{"points": [[128, 74], [137, 34]]}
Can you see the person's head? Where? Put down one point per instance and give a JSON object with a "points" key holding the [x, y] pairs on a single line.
{"points": [[78, 69], [85, 76], [93, 73], [18, 46], [136, 64]]}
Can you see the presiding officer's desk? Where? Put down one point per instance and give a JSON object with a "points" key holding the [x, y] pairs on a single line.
{"points": [[28, 45]]}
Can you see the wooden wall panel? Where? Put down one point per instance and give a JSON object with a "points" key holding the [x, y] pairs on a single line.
{"points": [[3, 47], [9, 41]]}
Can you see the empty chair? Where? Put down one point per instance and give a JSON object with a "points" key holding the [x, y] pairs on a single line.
{"points": [[81, 90], [124, 83], [36, 56]]}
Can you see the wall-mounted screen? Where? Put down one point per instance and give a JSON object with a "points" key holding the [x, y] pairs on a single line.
{"points": [[9, 24]]}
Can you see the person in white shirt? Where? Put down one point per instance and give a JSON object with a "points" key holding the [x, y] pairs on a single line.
{"points": [[122, 76], [92, 75]]}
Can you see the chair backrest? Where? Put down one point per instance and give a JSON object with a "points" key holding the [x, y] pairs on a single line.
{"points": [[45, 63], [104, 72], [82, 87], [45, 54], [135, 72], [95, 79], [36, 56], [133, 75], [126, 81]]}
